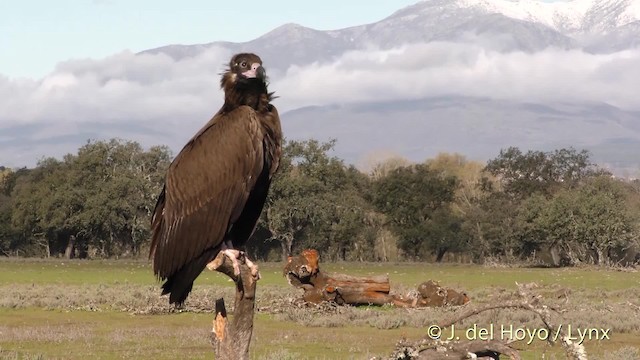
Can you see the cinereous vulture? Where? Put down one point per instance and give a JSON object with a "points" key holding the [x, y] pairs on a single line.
{"points": [[216, 187]]}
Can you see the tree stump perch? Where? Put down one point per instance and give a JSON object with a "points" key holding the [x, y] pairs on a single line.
{"points": [[303, 271], [231, 339]]}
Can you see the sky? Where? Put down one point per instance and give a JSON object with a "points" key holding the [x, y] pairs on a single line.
{"points": [[35, 35]]}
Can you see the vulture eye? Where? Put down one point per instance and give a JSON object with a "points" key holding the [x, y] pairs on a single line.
{"points": [[243, 64]]}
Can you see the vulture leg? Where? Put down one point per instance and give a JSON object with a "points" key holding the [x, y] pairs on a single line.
{"points": [[232, 254], [235, 255]]}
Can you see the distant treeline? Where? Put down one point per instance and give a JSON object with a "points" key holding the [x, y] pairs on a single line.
{"points": [[552, 207]]}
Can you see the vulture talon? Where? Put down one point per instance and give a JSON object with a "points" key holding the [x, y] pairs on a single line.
{"points": [[234, 256], [253, 267]]}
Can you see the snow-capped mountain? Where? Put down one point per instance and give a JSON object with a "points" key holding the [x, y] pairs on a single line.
{"points": [[570, 17], [528, 25], [472, 76]]}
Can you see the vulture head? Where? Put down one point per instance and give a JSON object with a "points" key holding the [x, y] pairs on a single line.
{"points": [[243, 68], [245, 82]]}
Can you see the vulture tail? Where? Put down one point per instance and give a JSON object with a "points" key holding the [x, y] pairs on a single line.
{"points": [[179, 285]]}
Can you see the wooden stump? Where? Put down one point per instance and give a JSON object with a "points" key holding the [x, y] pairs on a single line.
{"points": [[432, 294], [231, 340]]}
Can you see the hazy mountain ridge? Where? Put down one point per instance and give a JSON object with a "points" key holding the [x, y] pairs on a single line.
{"points": [[462, 75], [476, 127], [533, 25]]}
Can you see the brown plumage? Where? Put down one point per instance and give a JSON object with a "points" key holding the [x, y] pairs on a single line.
{"points": [[216, 187]]}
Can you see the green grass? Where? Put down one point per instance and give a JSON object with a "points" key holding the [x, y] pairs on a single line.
{"points": [[116, 335], [55, 271], [90, 309], [471, 277], [468, 277]]}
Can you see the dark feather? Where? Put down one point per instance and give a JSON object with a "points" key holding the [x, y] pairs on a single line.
{"points": [[216, 187], [179, 285], [207, 181]]}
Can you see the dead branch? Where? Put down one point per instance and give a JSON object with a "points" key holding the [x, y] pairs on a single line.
{"points": [[477, 310], [442, 350], [231, 340], [491, 349], [573, 350], [527, 301]]}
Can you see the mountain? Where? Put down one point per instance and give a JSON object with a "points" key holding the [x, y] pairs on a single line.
{"points": [[596, 25], [618, 39], [524, 73], [476, 127]]}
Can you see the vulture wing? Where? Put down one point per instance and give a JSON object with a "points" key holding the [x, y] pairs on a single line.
{"points": [[206, 189]]}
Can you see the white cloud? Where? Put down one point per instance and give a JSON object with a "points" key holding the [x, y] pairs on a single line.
{"points": [[122, 88], [437, 69], [155, 99]]}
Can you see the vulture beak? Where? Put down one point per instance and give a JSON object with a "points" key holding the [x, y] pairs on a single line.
{"points": [[257, 71], [261, 73]]}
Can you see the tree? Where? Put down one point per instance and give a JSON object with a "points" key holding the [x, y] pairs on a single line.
{"points": [[491, 227], [316, 201], [529, 235], [339, 227], [9, 238], [508, 221], [469, 174], [124, 181], [5, 177], [411, 196], [445, 233], [589, 222], [36, 213], [523, 174], [97, 200], [380, 165], [7, 235]]}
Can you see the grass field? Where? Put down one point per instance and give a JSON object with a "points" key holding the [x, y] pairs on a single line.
{"points": [[54, 309]]}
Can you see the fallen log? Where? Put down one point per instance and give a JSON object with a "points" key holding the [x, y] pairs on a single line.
{"points": [[303, 271], [345, 289]]}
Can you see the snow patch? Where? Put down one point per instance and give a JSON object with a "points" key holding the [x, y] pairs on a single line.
{"points": [[572, 16]]}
